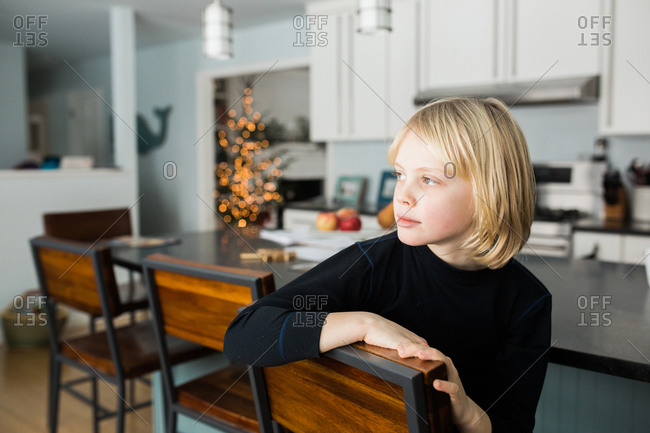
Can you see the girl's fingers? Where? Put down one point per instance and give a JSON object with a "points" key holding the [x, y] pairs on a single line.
{"points": [[450, 388], [407, 350]]}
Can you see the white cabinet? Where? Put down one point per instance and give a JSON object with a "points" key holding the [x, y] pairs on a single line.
{"points": [[610, 247], [459, 42], [469, 43], [607, 246], [554, 39], [625, 84], [635, 247], [359, 81]]}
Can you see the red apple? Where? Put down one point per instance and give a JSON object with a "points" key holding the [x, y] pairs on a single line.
{"points": [[347, 212], [327, 221], [352, 223]]}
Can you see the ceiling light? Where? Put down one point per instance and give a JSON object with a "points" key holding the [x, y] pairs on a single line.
{"points": [[217, 31], [374, 15]]}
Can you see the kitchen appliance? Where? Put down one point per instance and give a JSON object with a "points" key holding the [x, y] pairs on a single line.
{"points": [[566, 192], [551, 91]]}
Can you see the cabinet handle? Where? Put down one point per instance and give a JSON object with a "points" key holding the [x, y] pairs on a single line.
{"points": [[593, 255]]}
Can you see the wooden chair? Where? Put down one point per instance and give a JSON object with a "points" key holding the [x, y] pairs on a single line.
{"points": [[93, 227], [197, 302], [353, 388], [81, 277], [88, 226]]}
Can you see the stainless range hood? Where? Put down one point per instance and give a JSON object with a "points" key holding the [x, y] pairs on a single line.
{"points": [[552, 91]]}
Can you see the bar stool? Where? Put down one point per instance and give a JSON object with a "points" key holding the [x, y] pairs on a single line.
{"points": [[82, 278], [197, 302]]}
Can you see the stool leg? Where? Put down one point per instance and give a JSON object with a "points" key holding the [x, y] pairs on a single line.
{"points": [[171, 421], [95, 406], [121, 392], [55, 382]]}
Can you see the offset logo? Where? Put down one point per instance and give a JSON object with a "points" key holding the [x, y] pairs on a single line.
{"points": [[309, 31], [593, 310], [29, 310], [29, 30], [595, 31]]}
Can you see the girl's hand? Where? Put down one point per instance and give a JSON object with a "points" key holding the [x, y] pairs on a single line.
{"points": [[466, 414], [344, 328], [385, 333]]}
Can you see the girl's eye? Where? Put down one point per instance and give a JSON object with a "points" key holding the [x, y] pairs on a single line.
{"points": [[398, 175], [430, 181]]}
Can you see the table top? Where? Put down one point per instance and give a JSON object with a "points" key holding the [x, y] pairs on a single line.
{"points": [[601, 311], [601, 314], [220, 247]]}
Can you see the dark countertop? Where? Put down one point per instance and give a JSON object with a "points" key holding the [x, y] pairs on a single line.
{"points": [[601, 315], [601, 311], [614, 227]]}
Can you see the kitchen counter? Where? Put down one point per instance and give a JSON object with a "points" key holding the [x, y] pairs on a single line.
{"points": [[601, 315], [618, 227]]}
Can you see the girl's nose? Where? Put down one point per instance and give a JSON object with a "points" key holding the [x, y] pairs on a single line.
{"points": [[404, 196]]}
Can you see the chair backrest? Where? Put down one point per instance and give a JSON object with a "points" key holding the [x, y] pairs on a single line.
{"points": [[72, 273], [196, 301], [88, 226], [353, 388]]}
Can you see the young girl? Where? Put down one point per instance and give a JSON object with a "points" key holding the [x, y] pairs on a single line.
{"points": [[445, 286]]}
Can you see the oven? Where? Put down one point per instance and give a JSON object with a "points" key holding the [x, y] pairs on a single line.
{"points": [[566, 192]]}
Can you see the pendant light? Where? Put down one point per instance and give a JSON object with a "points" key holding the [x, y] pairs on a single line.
{"points": [[374, 15], [217, 31]]}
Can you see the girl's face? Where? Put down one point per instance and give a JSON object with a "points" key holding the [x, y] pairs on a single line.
{"points": [[432, 204]]}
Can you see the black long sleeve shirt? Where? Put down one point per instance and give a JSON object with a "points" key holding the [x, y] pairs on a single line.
{"points": [[495, 325]]}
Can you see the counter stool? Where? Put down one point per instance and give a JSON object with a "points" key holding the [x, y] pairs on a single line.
{"points": [[197, 302], [81, 277]]}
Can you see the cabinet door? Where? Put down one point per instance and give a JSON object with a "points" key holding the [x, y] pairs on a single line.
{"points": [[403, 63], [555, 38], [368, 78], [460, 42], [325, 86], [609, 246], [634, 249], [625, 101]]}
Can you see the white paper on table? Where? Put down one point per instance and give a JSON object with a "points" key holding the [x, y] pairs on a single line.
{"points": [[312, 254]]}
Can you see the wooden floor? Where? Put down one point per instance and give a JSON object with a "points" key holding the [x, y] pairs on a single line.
{"points": [[24, 375]]}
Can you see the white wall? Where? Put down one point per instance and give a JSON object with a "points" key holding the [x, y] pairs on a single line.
{"points": [[13, 105], [27, 195]]}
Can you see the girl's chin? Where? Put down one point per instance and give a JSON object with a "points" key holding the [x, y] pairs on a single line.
{"points": [[410, 238]]}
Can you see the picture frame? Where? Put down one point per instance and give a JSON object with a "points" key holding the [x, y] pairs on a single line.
{"points": [[350, 190], [386, 189]]}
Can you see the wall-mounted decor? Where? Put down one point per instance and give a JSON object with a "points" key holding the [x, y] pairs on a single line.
{"points": [[386, 189], [350, 190], [148, 139]]}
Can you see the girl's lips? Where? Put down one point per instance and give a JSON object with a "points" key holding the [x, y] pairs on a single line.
{"points": [[405, 222]]}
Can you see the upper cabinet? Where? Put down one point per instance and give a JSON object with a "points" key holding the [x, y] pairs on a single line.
{"points": [[362, 86], [460, 42], [469, 43], [553, 39], [625, 81]]}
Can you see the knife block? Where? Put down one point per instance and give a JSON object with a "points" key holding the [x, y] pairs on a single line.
{"points": [[619, 210]]}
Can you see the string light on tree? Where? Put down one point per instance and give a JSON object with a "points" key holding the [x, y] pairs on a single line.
{"points": [[246, 183]]}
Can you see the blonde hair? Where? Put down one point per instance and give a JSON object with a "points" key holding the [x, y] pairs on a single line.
{"points": [[488, 149]]}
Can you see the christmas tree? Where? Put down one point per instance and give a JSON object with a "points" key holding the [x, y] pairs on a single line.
{"points": [[246, 177]]}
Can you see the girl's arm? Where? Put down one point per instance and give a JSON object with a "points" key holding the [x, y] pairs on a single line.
{"points": [[340, 329]]}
